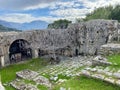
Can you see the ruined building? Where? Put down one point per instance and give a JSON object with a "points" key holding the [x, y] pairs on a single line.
{"points": [[83, 38]]}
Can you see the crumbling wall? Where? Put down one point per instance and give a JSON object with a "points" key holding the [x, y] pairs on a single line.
{"points": [[83, 38]]}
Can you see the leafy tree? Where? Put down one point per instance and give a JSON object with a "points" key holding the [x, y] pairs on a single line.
{"points": [[59, 24], [115, 13], [100, 13]]}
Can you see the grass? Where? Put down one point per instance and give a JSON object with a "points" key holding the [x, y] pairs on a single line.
{"points": [[85, 83], [77, 83], [114, 59], [9, 73]]}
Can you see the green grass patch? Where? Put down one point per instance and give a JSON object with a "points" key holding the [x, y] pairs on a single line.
{"points": [[42, 87], [115, 59], [9, 73], [85, 83]]}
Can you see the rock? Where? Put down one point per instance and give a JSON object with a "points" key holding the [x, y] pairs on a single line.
{"points": [[110, 80], [27, 74], [107, 69], [62, 88], [101, 71], [61, 80], [54, 78], [117, 75], [1, 86], [100, 58], [42, 81], [93, 69], [108, 73], [89, 63], [98, 76], [117, 82], [85, 72]]}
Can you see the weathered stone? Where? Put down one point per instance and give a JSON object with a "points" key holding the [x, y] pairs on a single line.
{"points": [[110, 49], [20, 85], [78, 39], [110, 80], [98, 76], [85, 72], [1, 86], [117, 75], [27, 74], [42, 81], [117, 82], [93, 69]]}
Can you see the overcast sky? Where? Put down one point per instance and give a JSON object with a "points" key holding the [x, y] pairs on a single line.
{"points": [[48, 10]]}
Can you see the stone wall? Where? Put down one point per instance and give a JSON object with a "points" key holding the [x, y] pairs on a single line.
{"points": [[78, 39], [110, 49]]}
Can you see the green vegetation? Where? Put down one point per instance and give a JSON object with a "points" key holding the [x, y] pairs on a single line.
{"points": [[74, 83], [9, 73], [85, 83], [108, 12], [59, 24], [6, 29], [115, 59]]}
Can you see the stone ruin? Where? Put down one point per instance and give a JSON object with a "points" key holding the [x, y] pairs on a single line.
{"points": [[85, 38]]}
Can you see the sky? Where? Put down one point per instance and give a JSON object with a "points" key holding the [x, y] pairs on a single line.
{"points": [[22, 11]]}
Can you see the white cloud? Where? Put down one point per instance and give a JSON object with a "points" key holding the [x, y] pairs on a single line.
{"points": [[65, 10], [23, 4], [70, 12], [22, 18]]}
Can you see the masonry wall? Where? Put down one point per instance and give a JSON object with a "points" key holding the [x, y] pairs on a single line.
{"points": [[83, 38]]}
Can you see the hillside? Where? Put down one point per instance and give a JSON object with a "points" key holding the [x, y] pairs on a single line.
{"points": [[38, 24], [6, 29], [108, 12]]}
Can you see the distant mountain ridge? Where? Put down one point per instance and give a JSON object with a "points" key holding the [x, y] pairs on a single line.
{"points": [[38, 24], [6, 29]]}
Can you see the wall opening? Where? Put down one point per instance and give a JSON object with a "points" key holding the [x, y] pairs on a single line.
{"points": [[19, 50], [76, 52]]}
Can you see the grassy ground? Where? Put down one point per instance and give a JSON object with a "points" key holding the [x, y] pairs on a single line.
{"points": [[85, 83], [115, 59], [78, 83], [9, 73]]}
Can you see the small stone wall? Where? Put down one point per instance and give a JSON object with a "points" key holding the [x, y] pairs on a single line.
{"points": [[110, 49]]}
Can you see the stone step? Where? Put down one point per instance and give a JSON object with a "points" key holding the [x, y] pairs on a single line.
{"points": [[113, 78]]}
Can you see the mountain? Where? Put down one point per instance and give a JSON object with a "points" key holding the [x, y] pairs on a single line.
{"points": [[38, 24], [34, 25], [6, 29]]}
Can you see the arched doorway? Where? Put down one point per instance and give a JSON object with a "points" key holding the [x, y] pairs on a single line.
{"points": [[19, 50]]}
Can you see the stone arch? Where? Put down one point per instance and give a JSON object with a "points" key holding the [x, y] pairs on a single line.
{"points": [[19, 50]]}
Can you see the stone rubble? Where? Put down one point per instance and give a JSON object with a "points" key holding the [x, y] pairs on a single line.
{"points": [[27, 74], [42, 81]]}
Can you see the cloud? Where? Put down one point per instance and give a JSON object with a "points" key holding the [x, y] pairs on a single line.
{"points": [[71, 10], [58, 9], [23, 4], [22, 18]]}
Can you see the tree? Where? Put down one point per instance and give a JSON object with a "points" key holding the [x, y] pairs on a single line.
{"points": [[100, 13], [59, 24], [115, 13]]}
